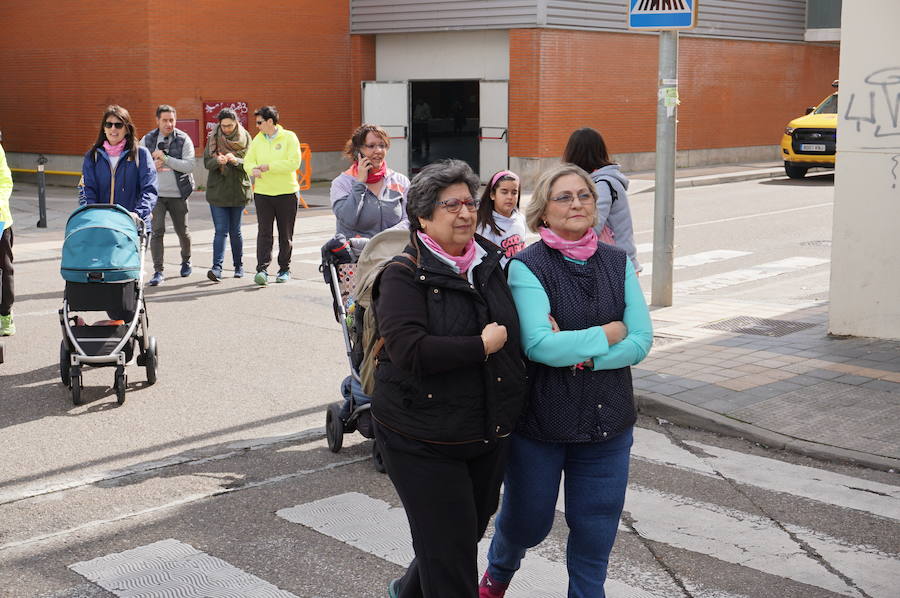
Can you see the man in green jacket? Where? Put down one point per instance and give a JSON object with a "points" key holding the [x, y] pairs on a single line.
{"points": [[272, 160], [7, 294]]}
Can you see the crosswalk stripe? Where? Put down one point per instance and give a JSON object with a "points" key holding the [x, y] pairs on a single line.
{"points": [[799, 480], [171, 568], [657, 448], [700, 259], [374, 526], [754, 273], [727, 535]]}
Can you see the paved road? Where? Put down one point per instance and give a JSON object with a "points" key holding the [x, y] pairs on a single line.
{"points": [[210, 457]]}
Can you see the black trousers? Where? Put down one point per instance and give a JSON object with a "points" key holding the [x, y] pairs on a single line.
{"points": [[7, 290], [450, 493], [281, 209]]}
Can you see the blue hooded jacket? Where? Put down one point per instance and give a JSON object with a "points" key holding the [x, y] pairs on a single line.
{"points": [[135, 188]]}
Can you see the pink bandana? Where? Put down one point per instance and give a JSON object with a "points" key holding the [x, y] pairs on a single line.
{"points": [[114, 150], [581, 249], [374, 175], [463, 262]]}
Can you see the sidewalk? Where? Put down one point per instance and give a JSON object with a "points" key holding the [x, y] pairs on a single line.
{"points": [[770, 373]]}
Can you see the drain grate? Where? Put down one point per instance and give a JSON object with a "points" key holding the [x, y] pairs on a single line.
{"points": [[758, 326]]}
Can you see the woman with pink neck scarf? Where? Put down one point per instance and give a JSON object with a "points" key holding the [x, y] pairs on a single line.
{"points": [[368, 197], [584, 322], [450, 380], [117, 169]]}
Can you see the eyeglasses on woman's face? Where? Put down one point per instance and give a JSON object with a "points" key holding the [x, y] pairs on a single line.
{"points": [[109, 125], [454, 205], [375, 146], [584, 197]]}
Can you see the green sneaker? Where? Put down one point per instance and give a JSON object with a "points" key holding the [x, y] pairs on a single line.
{"points": [[261, 278], [7, 326]]}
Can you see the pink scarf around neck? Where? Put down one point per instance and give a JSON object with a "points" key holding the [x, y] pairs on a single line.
{"points": [[581, 249], [463, 262], [114, 150]]}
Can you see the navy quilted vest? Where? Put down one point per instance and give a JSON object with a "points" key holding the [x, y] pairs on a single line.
{"points": [[567, 405]]}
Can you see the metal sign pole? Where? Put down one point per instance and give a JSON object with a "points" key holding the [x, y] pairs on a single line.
{"points": [[664, 200]]}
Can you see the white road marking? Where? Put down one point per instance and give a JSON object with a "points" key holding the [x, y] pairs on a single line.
{"points": [[727, 535], [699, 259], [820, 485], [172, 568], [745, 217], [644, 247], [658, 448], [754, 273], [374, 526]]}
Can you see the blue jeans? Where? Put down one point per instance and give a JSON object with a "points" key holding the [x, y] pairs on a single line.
{"points": [[227, 222], [595, 480]]}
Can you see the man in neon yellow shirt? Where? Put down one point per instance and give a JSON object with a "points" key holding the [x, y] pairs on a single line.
{"points": [[7, 295], [272, 160]]}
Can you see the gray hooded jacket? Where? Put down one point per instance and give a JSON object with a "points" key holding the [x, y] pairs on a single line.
{"points": [[615, 213]]}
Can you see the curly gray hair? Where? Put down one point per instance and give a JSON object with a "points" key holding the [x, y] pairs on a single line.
{"points": [[426, 186]]}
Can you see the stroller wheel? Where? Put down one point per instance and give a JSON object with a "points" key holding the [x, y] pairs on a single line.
{"points": [[377, 459], [151, 360], [65, 363], [75, 384], [334, 427], [121, 384]]}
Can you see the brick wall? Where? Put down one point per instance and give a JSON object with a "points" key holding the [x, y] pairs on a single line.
{"points": [[62, 63], [733, 93]]}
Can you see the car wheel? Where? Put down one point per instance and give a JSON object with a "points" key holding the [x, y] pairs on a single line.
{"points": [[795, 172]]}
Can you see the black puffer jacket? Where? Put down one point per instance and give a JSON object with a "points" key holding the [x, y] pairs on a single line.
{"points": [[432, 382]]}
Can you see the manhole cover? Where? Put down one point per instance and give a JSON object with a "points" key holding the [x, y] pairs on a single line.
{"points": [[816, 243], [758, 326]]}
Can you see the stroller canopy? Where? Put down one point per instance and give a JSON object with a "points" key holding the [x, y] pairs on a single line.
{"points": [[379, 250], [102, 244]]}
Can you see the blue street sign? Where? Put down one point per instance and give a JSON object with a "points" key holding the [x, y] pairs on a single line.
{"points": [[662, 14]]}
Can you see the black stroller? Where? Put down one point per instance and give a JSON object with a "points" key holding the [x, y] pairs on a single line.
{"points": [[102, 264], [349, 268]]}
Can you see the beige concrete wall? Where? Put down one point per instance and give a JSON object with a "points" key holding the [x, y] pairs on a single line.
{"points": [[442, 55], [865, 261]]}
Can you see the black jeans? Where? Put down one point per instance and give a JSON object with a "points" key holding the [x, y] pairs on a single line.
{"points": [[281, 209], [450, 493], [7, 290]]}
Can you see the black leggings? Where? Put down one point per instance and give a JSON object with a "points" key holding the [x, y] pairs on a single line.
{"points": [[7, 290], [281, 209]]}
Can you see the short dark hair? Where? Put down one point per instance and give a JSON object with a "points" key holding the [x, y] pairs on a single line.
{"points": [[587, 150], [164, 108], [268, 112], [226, 113], [358, 139], [422, 195]]}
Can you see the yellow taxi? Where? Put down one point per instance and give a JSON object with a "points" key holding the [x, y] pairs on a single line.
{"points": [[809, 141]]}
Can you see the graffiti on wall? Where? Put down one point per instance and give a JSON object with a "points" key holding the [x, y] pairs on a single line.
{"points": [[877, 112]]}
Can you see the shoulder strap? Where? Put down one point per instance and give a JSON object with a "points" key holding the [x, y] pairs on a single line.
{"points": [[612, 190]]}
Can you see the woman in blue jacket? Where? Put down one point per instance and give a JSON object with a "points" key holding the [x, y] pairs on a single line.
{"points": [[117, 169]]}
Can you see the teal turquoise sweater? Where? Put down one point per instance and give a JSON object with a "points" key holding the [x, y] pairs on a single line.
{"points": [[569, 347]]}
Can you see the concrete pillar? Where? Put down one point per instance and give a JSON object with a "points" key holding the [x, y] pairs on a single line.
{"points": [[865, 257]]}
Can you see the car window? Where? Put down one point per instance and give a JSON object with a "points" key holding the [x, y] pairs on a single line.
{"points": [[829, 106]]}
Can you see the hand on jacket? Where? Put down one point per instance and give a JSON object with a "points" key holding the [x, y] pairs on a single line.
{"points": [[494, 337], [221, 158]]}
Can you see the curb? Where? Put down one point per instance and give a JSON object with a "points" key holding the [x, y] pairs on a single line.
{"points": [[685, 414], [718, 179]]}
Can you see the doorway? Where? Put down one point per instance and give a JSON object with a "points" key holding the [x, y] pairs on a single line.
{"points": [[444, 119]]}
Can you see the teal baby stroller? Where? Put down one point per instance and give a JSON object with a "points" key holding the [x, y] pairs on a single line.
{"points": [[102, 264]]}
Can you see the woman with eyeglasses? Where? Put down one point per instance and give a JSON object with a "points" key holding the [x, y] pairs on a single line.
{"points": [[584, 322], [449, 382], [117, 169], [368, 197], [228, 189]]}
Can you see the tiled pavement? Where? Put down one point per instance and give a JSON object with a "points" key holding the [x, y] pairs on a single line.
{"points": [[838, 393]]}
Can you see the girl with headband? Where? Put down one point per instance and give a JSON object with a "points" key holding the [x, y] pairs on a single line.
{"points": [[499, 218]]}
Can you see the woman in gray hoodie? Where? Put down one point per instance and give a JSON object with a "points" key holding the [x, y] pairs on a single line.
{"points": [[587, 149]]}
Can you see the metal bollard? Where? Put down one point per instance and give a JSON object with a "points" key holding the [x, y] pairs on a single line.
{"points": [[42, 192]]}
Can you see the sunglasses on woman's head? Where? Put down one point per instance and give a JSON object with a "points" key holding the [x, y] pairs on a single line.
{"points": [[110, 125]]}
